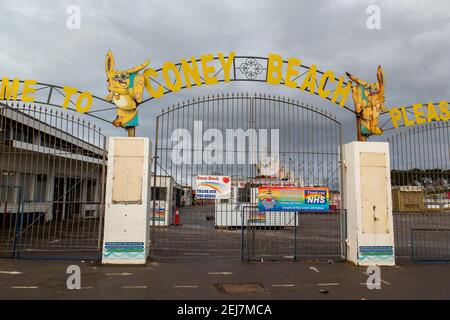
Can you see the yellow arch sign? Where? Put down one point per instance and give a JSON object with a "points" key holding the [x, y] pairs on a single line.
{"points": [[127, 88]]}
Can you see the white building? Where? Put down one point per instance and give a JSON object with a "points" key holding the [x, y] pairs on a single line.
{"points": [[58, 171]]}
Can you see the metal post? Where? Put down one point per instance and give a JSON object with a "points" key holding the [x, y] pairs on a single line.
{"points": [[343, 216], [131, 132], [253, 237], [295, 235], [102, 196], [19, 223], [5, 211], [153, 197], [344, 234], [242, 232], [359, 135]]}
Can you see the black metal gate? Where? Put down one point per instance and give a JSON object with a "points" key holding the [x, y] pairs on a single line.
{"points": [[52, 169], [420, 179], [255, 140]]}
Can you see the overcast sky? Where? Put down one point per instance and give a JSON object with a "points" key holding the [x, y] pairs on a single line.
{"points": [[413, 45]]}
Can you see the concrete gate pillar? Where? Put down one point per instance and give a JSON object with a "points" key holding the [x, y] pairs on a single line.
{"points": [[127, 198], [368, 200]]}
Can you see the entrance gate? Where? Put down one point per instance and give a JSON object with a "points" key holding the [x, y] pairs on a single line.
{"points": [[51, 184], [420, 179], [256, 141]]}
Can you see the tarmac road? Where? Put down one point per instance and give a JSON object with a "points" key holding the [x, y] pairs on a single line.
{"points": [[200, 278]]}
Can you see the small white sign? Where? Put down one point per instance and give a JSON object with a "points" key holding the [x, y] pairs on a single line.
{"points": [[212, 187]]}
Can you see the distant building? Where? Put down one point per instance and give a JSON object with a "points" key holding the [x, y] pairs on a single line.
{"points": [[59, 174]]}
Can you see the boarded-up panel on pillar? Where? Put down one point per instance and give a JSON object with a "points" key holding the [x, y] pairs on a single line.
{"points": [[374, 195], [127, 174]]}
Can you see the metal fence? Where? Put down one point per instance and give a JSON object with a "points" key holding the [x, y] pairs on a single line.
{"points": [[256, 141], [420, 180], [422, 235], [52, 169], [307, 235]]}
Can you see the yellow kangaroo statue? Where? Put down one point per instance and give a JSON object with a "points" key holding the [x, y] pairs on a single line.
{"points": [[369, 103], [126, 90]]}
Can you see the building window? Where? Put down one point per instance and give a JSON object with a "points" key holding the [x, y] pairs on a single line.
{"points": [[161, 193], [244, 195], [26, 181], [7, 181], [5, 132], [90, 190], [40, 187], [22, 133], [74, 190]]}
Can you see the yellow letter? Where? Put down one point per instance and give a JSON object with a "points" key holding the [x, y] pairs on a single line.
{"points": [[395, 115], [27, 90], [207, 70], [323, 81], [173, 86], [226, 64], [148, 83], [406, 121], [191, 70], [443, 105], [343, 91], [310, 80], [78, 105], [4, 91], [274, 65], [432, 113], [69, 92], [7, 92], [418, 114], [291, 72]]}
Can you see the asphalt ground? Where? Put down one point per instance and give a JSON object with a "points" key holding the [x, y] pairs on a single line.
{"points": [[194, 279]]}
